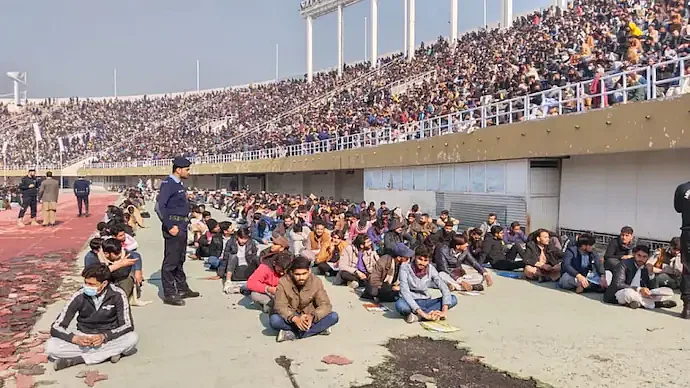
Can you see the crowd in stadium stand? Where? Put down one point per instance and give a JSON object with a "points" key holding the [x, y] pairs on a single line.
{"points": [[544, 51]]}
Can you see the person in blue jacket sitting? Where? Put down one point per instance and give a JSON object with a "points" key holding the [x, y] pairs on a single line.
{"points": [[582, 269]]}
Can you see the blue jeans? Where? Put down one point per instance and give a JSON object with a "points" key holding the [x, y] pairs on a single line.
{"points": [[278, 323], [213, 262], [426, 305]]}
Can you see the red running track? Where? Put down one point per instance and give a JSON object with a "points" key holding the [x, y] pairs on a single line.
{"points": [[70, 233]]}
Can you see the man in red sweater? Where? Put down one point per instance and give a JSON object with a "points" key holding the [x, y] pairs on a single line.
{"points": [[263, 282]]}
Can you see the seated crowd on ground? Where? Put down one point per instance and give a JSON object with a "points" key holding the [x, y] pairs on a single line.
{"points": [[541, 52], [275, 248], [388, 257]]}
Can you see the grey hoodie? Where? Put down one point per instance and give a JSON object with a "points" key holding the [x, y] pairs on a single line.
{"points": [[413, 288]]}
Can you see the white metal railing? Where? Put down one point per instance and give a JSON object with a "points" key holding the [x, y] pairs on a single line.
{"points": [[27, 166], [401, 86], [637, 84]]}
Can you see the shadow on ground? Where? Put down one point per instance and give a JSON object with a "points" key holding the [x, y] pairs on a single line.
{"points": [[419, 362]]}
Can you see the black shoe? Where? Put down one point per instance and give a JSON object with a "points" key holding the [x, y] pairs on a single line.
{"points": [[173, 300], [686, 311], [62, 363], [665, 304], [477, 287], [634, 305], [189, 294]]}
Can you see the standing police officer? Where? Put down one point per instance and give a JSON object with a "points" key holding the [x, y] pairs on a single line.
{"points": [[82, 189], [172, 208], [681, 202], [29, 188]]}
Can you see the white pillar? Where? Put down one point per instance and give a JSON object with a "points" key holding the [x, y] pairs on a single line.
{"points": [[506, 13], [405, 27], [563, 4], [411, 28], [453, 21], [310, 68], [340, 40], [16, 93], [374, 32]]}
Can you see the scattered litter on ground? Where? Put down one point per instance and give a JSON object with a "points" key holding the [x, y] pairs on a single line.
{"points": [[333, 359], [376, 307], [91, 377], [651, 329], [420, 378], [439, 327]]}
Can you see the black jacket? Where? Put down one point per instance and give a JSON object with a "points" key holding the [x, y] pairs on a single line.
{"points": [[250, 254], [533, 251], [492, 249], [622, 277], [82, 188], [113, 319], [212, 247], [26, 190], [391, 239], [616, 249], [681, 202]]}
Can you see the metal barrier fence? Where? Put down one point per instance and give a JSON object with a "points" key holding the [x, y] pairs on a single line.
{"points": [[638, 84]]}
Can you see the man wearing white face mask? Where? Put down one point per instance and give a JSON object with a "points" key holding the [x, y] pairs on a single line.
{"points": [[105, 330]]}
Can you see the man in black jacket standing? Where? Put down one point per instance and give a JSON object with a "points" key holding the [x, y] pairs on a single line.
{"points": [[105, 330], [82, 189], [681, 202], [29, 189]]}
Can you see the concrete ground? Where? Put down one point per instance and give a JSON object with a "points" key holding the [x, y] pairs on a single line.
{"points": [[560, 338]]}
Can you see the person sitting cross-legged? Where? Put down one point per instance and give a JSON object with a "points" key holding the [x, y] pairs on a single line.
{"points": [[582, 269], [264, 281], [496, 253], [105, 330], [449, 259], [302, 307], [216, 256], [415, 302], [384, 284], [666, 265], [211, 243], [356, 262], [619, 248], [125, 267], [542, 259], [630, 284]]}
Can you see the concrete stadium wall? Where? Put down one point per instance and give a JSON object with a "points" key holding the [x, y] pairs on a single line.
{"points": [[336, 184], [643, 126], [603, 193], [516, 190]]}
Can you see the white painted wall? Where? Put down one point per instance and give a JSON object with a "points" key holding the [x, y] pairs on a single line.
{"points": [[605, 192], [403, 199], [542, 206], [337, 184]]}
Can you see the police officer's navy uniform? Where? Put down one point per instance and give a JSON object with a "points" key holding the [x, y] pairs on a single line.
{"points": [[29, 196], [82, 189], [681, 202], [173, 209]]}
